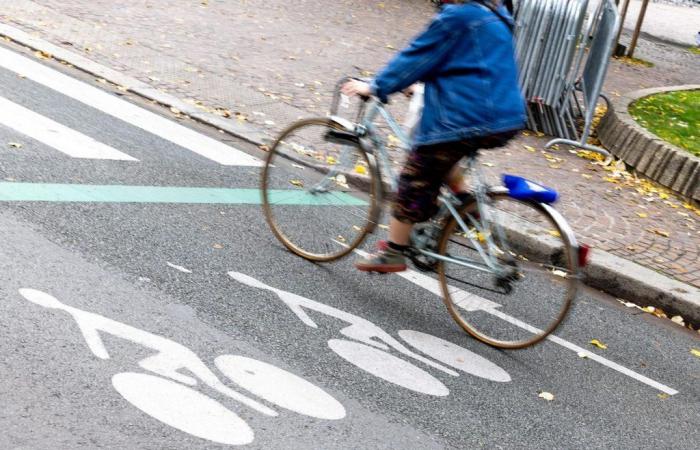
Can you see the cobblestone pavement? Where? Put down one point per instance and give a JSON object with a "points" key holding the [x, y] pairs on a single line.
{"points": [[274, 61]]}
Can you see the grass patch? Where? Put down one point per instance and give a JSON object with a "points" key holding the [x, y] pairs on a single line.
{"points": [[673, 116], [634, 61]]}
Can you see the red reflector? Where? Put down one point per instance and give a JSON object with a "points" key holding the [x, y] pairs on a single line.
{"points": [[583, 254]]}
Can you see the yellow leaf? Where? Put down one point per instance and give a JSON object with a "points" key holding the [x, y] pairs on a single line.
{"points": [[662, 396], [331, 160], [554, 233], [547, 396], [664, 196], [42, 54], [597, 343], [586, 176], [643, 215], [298, 183], [663, 233], [530, 148], [362, 170], [695, 352]]}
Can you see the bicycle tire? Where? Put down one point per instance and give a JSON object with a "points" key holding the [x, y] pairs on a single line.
{"points": [[307, 230], [549, 250]]}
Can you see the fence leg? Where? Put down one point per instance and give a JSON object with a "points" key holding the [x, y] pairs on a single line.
{"points": [[638, 28]]}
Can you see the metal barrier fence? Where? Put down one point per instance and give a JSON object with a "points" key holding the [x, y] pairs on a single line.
{"points": [[563, 60]]}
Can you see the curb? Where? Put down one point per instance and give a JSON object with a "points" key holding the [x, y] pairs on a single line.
{"points": [[648, 154], [609, 273]]}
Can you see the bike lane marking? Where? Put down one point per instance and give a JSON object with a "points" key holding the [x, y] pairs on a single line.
{"points": [[123, 110], [474, 301], [86, 193], [170, 396], [370, 348], [55, 135]]}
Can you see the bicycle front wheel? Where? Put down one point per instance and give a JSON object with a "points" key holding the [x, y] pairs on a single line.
{"points": [[528, 290], [320, 190]]}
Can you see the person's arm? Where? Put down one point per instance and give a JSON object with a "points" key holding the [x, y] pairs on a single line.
{"points": [[417, 61]]}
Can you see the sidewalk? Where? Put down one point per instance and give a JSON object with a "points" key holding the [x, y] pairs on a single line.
{"points": [[267, 63], [672, 23]]}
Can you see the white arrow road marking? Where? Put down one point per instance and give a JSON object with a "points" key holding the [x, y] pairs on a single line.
{"points": [[53, 134], [128, 112]]}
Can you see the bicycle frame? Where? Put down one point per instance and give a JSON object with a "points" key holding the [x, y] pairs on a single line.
{"points": [[366, 128]]}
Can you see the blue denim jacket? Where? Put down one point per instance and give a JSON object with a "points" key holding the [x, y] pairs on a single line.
{"points": [[466, 60]]}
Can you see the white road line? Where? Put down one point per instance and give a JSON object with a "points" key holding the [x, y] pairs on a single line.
{"points": [[472, 300], [53, 134], [125, 111]]}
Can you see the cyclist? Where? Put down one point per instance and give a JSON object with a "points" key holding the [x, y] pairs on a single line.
{"points": [[466, 60]]}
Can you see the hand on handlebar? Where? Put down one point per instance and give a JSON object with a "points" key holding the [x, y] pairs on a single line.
{"points": [[356, 87]]}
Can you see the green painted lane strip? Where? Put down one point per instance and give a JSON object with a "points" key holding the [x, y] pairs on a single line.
{"points": [[81, 193]]}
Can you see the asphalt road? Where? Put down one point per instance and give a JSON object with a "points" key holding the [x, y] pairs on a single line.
{"points": [[153, 324]]}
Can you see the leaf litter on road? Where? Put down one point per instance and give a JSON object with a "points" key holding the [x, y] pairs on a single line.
{"points": [[546, 395], [599, 344]]}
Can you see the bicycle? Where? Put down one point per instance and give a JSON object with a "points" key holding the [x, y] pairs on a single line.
{"points": [[327, 174]]}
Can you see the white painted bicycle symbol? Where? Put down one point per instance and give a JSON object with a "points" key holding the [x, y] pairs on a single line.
{"points": [[369, 349], [170, 398]]}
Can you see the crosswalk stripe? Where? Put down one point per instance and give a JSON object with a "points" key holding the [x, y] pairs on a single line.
{"points": [[53, 134], [125, 111]]}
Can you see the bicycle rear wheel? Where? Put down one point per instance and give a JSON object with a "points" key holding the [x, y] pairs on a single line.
{"points": [[531, 298], [320, 190]]}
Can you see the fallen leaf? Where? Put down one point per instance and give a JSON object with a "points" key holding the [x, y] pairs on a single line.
{"points": [[554, 233], [341, 239], [583, 355], [356, 228], [15, 144], [660, 232], [695, 352], [559, 273], [217, 246], [530, 148], [547, 396], [383, 227], [643, 215], [362, 170], [678, 319], [42, 54], [331, 160], [297, 183], [487, 164], [662, 396], [341, 181], [597, 343]]}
